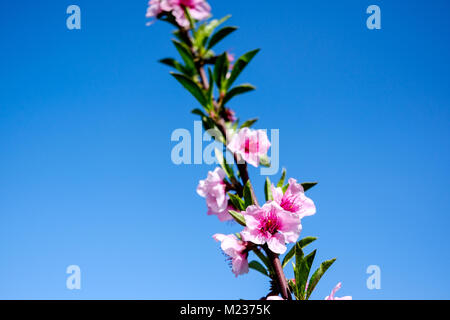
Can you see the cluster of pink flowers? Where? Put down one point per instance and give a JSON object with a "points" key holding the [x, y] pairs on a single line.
{"points": [[198, 9]]}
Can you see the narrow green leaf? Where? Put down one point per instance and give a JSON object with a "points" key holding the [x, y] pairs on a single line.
{"points": [[248, 123], [175, 64], [198, 112], [238, 217], [211, 26], [220, 35], [317, 275], [192, 87], [308, 185], [211, 84], [285, 188], [240, 65], [264, 259], [189, 17], [298, 267], [306, 241], [237, 202], [185, 54], [305, 267], [255, 265], [268, 190], [222, 161], [248, 194], [281, 181], [220, 69], [243, 88], [303, 243]]}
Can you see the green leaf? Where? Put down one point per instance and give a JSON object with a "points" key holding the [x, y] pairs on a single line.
{"points": [[306, 241], [175, 64], [220, 35], [237, 202], [238, 217], [185, 54], [255, 265], [211, 26], [298, 268], [189, 17], [281, 181], [211, 85], [248, 123], [198, 112], [268, 190], [243, 88], [285, 188], [220, 70], [317, 275], [303, 273], [222, 161], [240, 65], [192, 87], [263, 258], [308, 185], [248, 194], [303, 243]]}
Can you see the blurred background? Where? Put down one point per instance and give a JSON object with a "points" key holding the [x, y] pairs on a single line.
{"points": [[85, 171]]}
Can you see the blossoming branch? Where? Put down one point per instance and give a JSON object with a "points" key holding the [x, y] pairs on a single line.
{"points": [[267, 229]]}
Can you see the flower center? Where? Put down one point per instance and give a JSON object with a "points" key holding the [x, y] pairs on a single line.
{"points": [[289, 203], [188, 3], [250, 145], [269, 223]]}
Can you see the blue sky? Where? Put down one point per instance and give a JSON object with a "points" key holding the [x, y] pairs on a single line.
{"points": [[85, 170]]}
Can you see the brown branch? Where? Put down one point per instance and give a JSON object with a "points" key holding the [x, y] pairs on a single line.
{"points": [[279, 273], [242, 167]]}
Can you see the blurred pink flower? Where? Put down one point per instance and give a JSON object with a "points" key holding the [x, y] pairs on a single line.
{"points": [[198, 9], [333, 292], [213, 189], [274, 298], [155, 7], [236, 250], [294, 199], [250, 145], [272, 225]]}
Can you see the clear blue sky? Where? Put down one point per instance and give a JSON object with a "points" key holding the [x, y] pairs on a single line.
{"points": [[85, 170]]}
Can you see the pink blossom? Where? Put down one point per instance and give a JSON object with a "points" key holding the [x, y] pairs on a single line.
{"points": [[250, 145], [333, 292], [198, 9], [294, 199], [272, 225], [214, 190], [274, 298], [236, 250], [156, 7]]}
